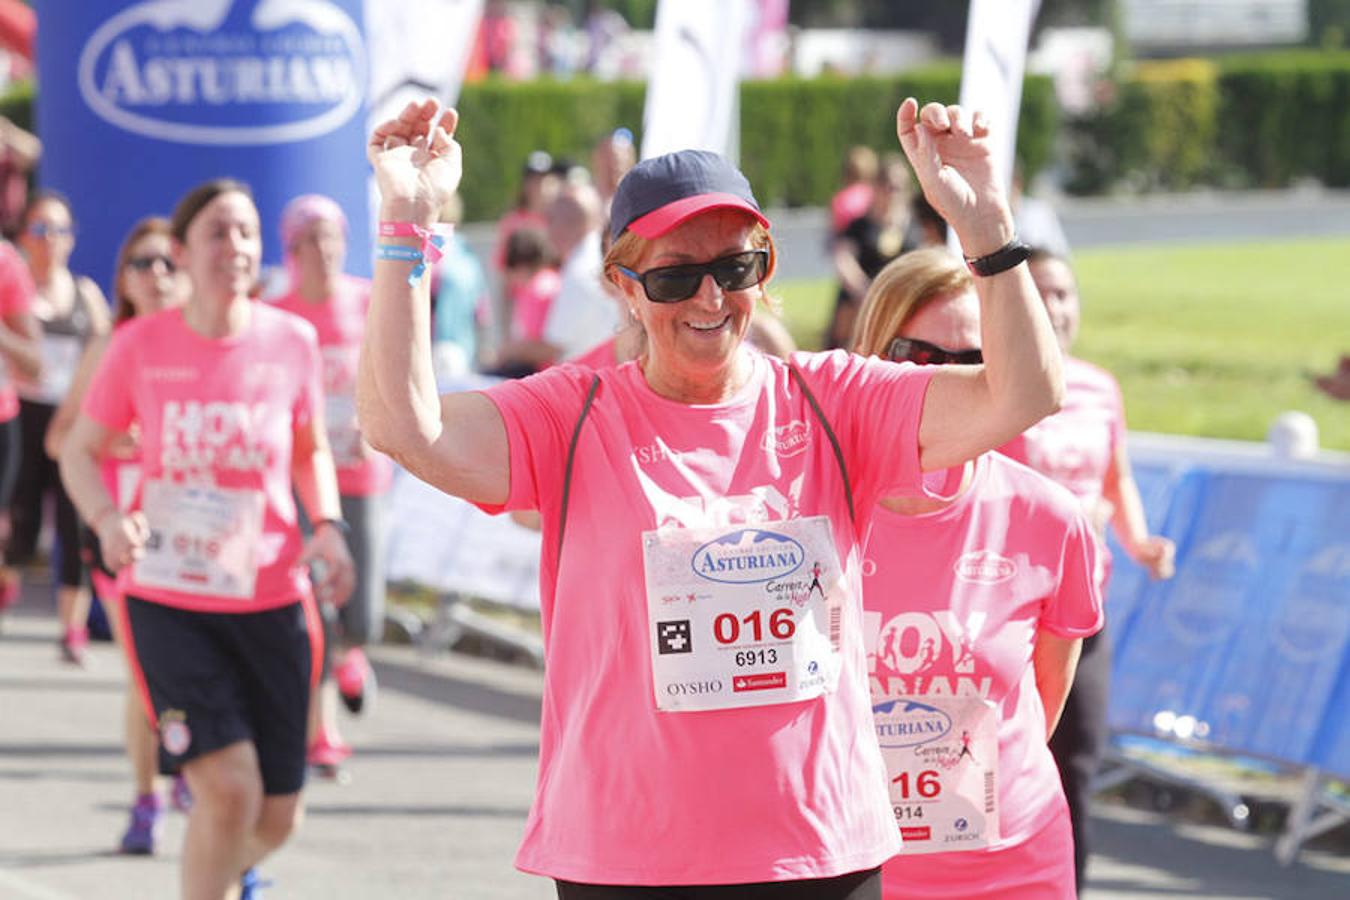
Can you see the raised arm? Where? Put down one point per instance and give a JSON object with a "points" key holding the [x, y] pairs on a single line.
{"points": [[969, 410], [456, 442]]}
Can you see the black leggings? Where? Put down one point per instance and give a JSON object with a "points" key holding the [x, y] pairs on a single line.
{"points": [[11, 452], [1080, 741], [864, 885], [39, 475]]}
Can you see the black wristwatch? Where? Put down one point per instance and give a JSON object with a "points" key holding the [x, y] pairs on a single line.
{"points": [[339, 524], [1001, 260]]}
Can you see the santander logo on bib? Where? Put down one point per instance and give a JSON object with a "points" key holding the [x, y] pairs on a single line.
{"points": [[748, 556], [984, 567], [273, 71]]}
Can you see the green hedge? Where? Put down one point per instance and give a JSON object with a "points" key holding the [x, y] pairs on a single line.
{"points": [[1249, 120], [794, 131]]}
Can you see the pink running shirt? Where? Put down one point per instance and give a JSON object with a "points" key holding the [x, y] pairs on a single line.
{"points": [[530, 303], [630, 795], [1075, 446], [848, 204], [221, 412], [341, 323], [953, 601], [16, 296]]}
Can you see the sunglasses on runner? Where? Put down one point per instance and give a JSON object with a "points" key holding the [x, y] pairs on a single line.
{"points": [[146, 263], [671, 284], [42, 230], [926, 354]]}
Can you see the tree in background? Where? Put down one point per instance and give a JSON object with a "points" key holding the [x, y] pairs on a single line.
{"points": [[1328, 23]]}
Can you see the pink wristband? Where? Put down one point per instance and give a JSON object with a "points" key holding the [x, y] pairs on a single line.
{"points": [[432, 238]]}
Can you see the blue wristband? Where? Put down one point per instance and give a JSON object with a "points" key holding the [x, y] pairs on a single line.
{"points": [[400, 253]]}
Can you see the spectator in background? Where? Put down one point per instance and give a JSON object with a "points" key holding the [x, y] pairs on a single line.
{"points": [[1083, 448], [71, 310], [539, 184], [532, 283], [499, 34], [868, 243], [613, 156], [314, 238], [604, 29], [20, 151], [20, 356], [853, 199], [927, 228], [462, 308], [583, 314]]}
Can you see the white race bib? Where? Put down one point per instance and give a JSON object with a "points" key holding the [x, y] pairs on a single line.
{"points": [[203, 539], [942, 763], [60, 356], [743, 615]]}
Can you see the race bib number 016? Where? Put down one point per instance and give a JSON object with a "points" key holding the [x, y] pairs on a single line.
{"points": [[941, 758], [203, 539], [743, 616]]}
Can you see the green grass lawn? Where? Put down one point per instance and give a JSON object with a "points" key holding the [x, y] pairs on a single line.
{"points": [[1206, 339]]}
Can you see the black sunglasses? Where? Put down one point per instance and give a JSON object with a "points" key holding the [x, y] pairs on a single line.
{"points": [[671, 284], [146, 263], [926, 354]]}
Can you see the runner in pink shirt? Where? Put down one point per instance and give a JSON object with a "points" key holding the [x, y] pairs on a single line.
{"points": [[218, 617], [146, 282], [974, 611], [20, 354], [314, 235], [696, 684], [1083, 448]]}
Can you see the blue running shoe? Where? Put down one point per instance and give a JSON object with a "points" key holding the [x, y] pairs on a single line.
{"points": [[145, 826], [251, 885]]}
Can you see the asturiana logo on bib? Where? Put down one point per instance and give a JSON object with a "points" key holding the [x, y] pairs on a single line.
{"points": [[747, 556], [985, 567], [226, 72], [907, 723], [789, 439]]}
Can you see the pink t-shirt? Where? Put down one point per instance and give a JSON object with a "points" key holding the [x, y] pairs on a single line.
{"points": [[340, 323], [218, 413], [630, 795], [954, 599], [530, 303], [16, 296], [1076, 445]]}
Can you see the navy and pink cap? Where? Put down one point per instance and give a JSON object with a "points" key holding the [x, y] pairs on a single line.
{"points": [[659, 193]]}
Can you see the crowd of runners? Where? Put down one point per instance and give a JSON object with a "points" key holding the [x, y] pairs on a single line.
{"points": [[855, 585]]}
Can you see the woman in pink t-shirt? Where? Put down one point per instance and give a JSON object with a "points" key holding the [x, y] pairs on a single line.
{"points": [[975, 608], [146, 281], [1083, 448], [218, 617], [706, 718], [314, 236], [20, 354]]}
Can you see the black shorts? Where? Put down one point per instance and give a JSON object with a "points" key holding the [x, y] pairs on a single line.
{"points": [[865, 885], [213, 679]]}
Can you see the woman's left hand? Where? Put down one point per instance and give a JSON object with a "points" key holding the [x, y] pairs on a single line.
{"points": [[948, 146], [330, 562]]}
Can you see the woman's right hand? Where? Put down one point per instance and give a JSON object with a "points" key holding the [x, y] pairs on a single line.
{"points": [[121, 538], [417, 162]]}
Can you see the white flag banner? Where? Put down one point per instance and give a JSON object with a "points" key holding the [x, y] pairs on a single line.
{"points": [[695, 76], [418, 49], [997, 32]]}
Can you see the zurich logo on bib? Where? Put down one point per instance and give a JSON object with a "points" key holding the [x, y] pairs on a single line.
{"points": [[226, 72], [748, 556]]}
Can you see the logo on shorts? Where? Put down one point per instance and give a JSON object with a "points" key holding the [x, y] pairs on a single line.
{"points": [[229, 72], [674, 637], [174, 733], [984, 567], [748, 556]]}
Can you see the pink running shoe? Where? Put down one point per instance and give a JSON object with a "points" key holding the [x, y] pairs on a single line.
{"points": [[355, 680], [327, 755], [75, 646]]}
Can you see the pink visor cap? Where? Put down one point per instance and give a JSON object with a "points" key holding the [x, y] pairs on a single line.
{"points": [[659, 193]]}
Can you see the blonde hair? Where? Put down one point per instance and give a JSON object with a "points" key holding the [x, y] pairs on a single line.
{"points": [[907, 284], [628, 249]]}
